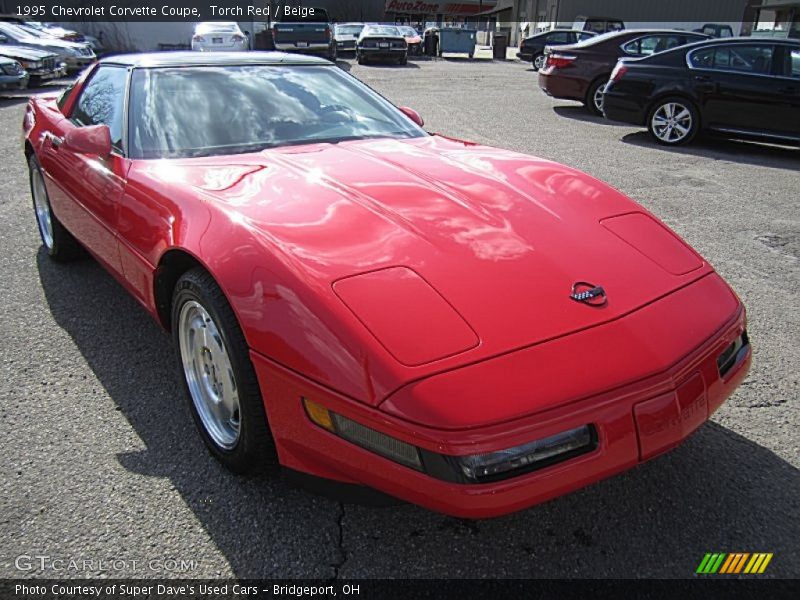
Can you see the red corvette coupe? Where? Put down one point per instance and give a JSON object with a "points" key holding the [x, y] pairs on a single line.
{"points": [[467, 328]]}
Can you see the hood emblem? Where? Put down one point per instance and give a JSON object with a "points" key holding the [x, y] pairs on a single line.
{"points": [[588, 293]]}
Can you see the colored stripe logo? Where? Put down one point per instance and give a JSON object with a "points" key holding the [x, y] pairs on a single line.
{"points": [[734, 563]]}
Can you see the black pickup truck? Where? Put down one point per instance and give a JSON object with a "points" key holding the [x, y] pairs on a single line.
{"points": [[308, 32]]}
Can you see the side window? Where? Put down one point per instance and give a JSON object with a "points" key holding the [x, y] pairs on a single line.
{"points": [[755, 58], [560, 37], [102, 101], [584, 36], [633, 48], [63, 97], [792, 63]]}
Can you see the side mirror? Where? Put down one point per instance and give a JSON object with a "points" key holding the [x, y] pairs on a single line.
{"points": [[413, 115], [93, 139]]}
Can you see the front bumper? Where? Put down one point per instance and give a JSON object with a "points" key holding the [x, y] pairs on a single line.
{"points": [[79, 62], [634, 422], [13, 82]]}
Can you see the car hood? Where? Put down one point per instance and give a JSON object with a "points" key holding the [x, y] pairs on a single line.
{"points": [[474, 250], [25, 53]]}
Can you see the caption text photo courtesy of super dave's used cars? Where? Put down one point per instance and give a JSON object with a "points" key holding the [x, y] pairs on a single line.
{"points": [[399, 299]]}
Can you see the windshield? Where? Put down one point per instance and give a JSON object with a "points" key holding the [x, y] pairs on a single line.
{"points": [[408, 31], [381, 30], [349, 29], [206, 111]]}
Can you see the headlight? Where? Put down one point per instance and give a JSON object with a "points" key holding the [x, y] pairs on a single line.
{"points": [[469, 469], [493, 465]]}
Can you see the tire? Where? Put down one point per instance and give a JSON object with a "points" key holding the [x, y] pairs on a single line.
{"points": [[219, 380], [332, 54], [403, 60], [673, 121], [360, 59], [538, 61], [594, 96], [59, 243]]}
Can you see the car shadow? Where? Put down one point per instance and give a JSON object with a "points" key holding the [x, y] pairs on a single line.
{"points": [[387, 65], [343, 65], [12, 100], [718, 492], [580, 113], [721, 148]]}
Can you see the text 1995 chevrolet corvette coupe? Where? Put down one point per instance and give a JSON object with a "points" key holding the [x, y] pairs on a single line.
{"points": [[467, 328]]}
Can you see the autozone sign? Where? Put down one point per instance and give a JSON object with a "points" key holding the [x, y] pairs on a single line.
{"points": [[428, 7]]}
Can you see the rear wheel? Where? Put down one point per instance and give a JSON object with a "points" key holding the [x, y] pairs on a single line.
{"points": [[360, 58], [538, 61], [403, 59], [57, 241], [594, 96], [673, 121], [219, 379]]}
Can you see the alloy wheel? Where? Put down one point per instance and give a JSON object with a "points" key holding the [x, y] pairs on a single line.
{"points": [[672, 122], [42, 208], [209, 374]]}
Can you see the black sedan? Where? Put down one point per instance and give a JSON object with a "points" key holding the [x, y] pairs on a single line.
{"points": [[532, 48], [381, 42], [741, 87]]}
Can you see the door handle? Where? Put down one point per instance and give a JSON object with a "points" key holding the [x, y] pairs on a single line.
{"points": [[54, 140], [705, 82]]}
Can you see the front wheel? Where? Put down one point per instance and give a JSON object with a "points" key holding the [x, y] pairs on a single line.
{"points": [[219, 379], [673, 121], [57, 241], [538, 62]]}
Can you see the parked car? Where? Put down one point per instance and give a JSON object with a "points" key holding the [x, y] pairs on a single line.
{"points": [[580, 71], [597, 24], [741, 87], [344, 292], [346, 35], [413, 39], [52, 30], [381, 42], [312, 35], [12, 75], [532, 48], [219, 36], [40, 65], [717, 30], [75, 55]]}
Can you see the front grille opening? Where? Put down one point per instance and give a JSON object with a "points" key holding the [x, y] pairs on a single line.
{"points": [[733, 354]]}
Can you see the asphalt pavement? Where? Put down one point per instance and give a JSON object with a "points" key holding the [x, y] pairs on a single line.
{"points": [[100, 460]]}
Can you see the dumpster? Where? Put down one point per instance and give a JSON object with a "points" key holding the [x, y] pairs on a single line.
{"points": [[499, 46], [457, 40]]}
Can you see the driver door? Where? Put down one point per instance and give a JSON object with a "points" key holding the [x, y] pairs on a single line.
{"points": [[89, 187]]}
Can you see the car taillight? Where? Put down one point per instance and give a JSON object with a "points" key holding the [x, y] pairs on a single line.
{"points": [[328, 34], [618, 72], [198, 38], [559, 61], [238, 37]]}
